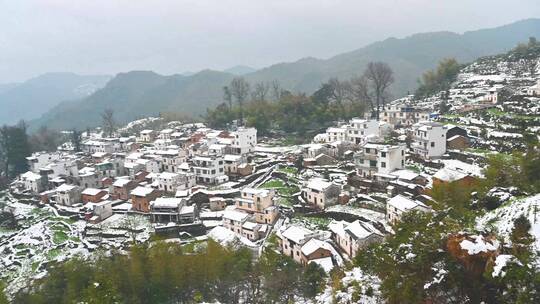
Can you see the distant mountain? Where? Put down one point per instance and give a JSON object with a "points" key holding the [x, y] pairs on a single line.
{"points": [[240, 70], [32, 98], [137, 94], [408, 57]]}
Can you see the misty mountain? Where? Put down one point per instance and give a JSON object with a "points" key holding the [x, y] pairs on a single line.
{"points": [[138, 94], [32, 98], [408, 57], [240, 70]]}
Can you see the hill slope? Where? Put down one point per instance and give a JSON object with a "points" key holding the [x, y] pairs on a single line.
{"points": [[32, 98], [408, 57], [140, 94], [137, 94]]}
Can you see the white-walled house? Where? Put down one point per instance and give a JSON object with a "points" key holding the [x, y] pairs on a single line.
{"points": [[147, 136], [32, 182], [379, 159], [40, 159], [260, 203], [400, 115], [429, 139], [171, 182], [336, 134], [320, 193], [245, 140], [209, 169], [399, 205], [359, 129], [68, 195], [352, 237]]}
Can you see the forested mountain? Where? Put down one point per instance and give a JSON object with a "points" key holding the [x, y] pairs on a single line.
{"points": [[138, 94], [32, 98]]}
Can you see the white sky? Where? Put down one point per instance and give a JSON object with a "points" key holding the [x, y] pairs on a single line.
{"points": [[173, 36]]}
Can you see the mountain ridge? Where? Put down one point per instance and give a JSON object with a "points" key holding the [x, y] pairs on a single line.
{"points": [[409, 57]]}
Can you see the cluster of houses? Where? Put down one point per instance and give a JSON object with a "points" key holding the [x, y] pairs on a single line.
{"points": [[155, 173]]}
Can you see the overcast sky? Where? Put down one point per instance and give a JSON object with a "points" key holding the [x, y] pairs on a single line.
{"points": [[173, 36]]}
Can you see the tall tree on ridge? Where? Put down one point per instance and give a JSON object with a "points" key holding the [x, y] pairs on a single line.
{"points": [[108, 122], [380, 76], [240, 91]]}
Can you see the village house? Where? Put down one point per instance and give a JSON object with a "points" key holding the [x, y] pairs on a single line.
{"points": [[429, 139], [315, 250], [97, 212], [534, 90], [217, 203], [336, 134], [147, 136], [171, 182], [165, 134], [169, 160], [449, 175], [234, 220], [68, 195], [171, 209], [320, 193], [260, 203], [209, 169], [399, 205], [141, 198], [292, 239], [122, 187], [231, 163], [457, 142], [399, 115], [352, 237], [93, 195], [32, 182], [379, 159], [359, 129], [245, 140], [40, 159]]}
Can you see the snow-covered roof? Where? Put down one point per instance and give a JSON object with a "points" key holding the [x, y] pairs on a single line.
{"points": [[168, 175], [296, 234], [257, 191], [404, 204], [166, 202], [91, 191], [121, 182], [65, 188], [234, 215], [142, 191], [318, 184], [31, 176], [326, 263], [313, 245], [405, 174]]}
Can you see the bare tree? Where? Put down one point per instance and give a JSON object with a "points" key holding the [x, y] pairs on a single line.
{"points": [[380, 76], [359, 87], [239, 88], [227, 96], [108, 122], [260, 91], [277, 91]]}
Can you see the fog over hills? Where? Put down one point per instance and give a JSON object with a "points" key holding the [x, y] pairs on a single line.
{"points": [[32, 98], [137, 94]]}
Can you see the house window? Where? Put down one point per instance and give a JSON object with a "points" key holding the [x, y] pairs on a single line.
{"points": [[383, 165], [432, 144], [383, 154]]}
